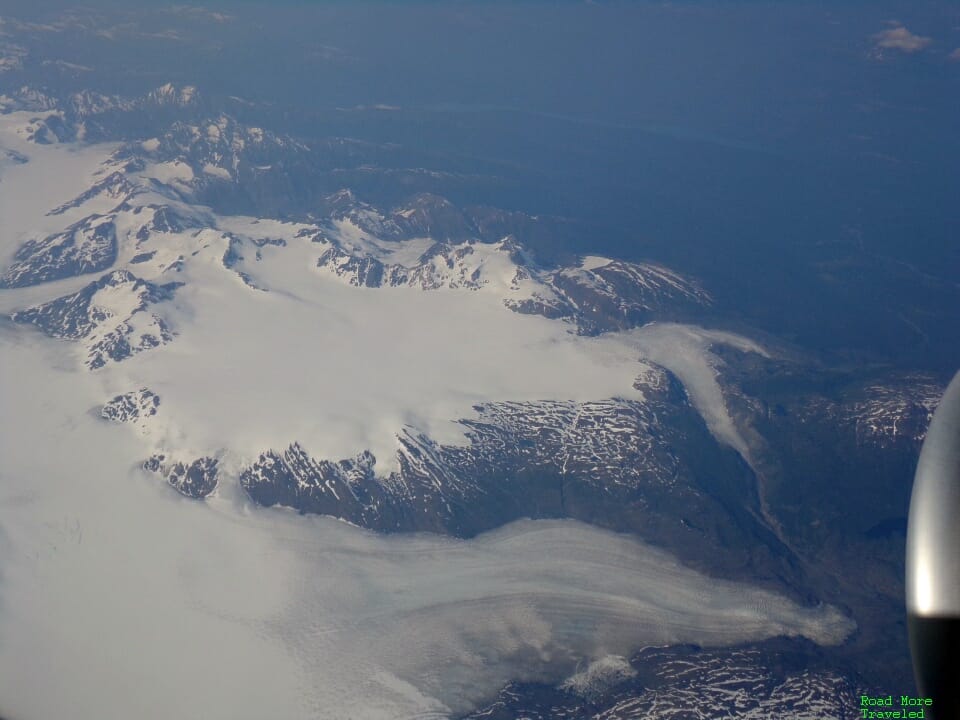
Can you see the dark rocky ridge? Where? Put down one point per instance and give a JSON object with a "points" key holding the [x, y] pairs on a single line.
{"points": [[650, 468], [614, 295], [196, 479], [77, 317], [131, 406], [87, 246], [116, 186], [166, 219]]}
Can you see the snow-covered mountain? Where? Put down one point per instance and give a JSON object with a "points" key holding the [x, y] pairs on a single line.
{"points": [[401, 365], [599, 295], [87, 246], [404, 317], [132, 407], [465, 450], [196, 479], [109, 316], [90, 115]]}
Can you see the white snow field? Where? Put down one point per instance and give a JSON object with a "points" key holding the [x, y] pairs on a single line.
{"points": [[121, 599]]}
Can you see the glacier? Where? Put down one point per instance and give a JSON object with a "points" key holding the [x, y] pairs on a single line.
{"points": [[224, 607]]}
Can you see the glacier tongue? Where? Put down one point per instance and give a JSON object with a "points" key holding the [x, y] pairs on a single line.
{"points": [[108, 575]]}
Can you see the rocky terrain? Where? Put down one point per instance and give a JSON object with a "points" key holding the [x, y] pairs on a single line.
{"points": [[196, 479], [87, 246], [766, 680], [131, 406], [650, 468], [109, 317]]}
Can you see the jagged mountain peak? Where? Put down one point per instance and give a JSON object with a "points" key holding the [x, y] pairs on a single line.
{"points": [[86, 103], [28, 98], [177, 95], [431, 215], [343, 199], [437, 264]]}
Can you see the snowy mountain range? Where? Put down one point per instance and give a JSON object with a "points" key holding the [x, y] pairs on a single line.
{"points": [[421, 366], [139, 221]]}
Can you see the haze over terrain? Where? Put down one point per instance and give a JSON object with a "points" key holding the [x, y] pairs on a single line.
{"points": [[379, 360]]}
